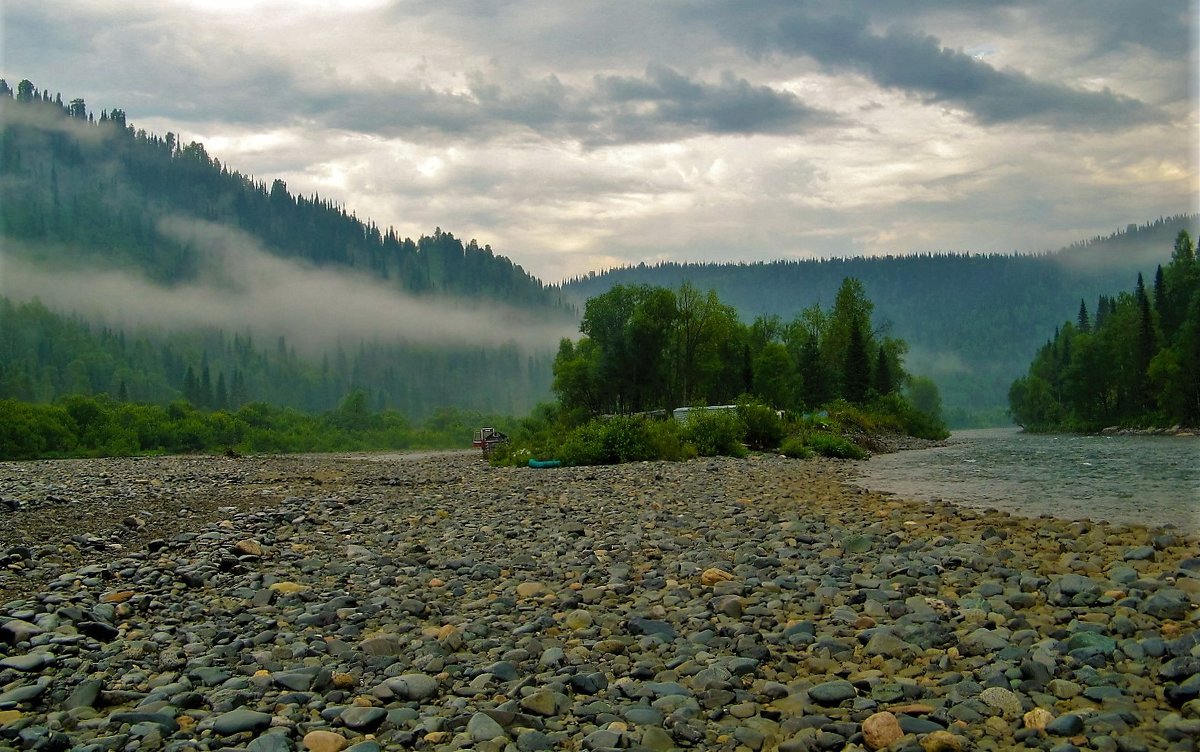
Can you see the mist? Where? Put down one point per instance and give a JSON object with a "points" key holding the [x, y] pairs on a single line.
{"points": [[240, 287]]}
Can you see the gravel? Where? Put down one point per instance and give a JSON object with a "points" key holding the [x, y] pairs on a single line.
{"points": [[380, 602]]}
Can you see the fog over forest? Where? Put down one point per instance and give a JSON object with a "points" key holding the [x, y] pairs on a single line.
{"points": [[241, 287]]}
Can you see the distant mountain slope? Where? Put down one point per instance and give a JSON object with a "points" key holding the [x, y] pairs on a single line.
{"points": [[973, 321], [87, 190], [143, 268]]}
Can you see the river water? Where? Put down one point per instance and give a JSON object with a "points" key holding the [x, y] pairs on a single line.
{"points": [[1151, 480]]}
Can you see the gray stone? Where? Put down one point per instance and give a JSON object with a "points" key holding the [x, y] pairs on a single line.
{"points": [[361, 718], [271, 742], [641, 626], [29, 662], [483, 727], [412, 686], [832, 692], [1139, 553], [1065, 725], [1170, 603], [982, 641], [1003, 700], [14, 631], [240, 719]]}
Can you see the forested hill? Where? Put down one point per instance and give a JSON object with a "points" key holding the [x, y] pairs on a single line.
{"points": [[89, 189], [143, 268], [973, 322]]}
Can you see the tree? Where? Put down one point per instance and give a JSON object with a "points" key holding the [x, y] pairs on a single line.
{"points": [[924, 396], [698, 316], [850, 317], [882, 379], [775, 380], [856, 372], [1082, 321]]}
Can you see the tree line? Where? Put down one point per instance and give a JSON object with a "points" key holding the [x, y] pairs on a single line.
{"points": [[99, 426], [46, 356], [647, 348], [972, 321], [1133, 360], [82, 188]]}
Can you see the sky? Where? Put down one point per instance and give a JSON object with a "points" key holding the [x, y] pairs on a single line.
{"points": [[580, 136]]}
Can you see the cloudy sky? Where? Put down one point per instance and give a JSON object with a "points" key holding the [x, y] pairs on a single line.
{"points": [[573, 136]]}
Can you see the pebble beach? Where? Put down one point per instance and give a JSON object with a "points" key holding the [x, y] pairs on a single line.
{"points": [[372, 602]]}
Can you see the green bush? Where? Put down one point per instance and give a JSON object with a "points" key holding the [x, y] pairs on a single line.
{"points": [[763, 426], [901, 415], [715, 432], [608, 441], [666, 441], [794, 447], [832, 445]]}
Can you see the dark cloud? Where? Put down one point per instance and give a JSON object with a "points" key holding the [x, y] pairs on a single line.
{"points": [[661, 105], [664, 99], [919, 64]]}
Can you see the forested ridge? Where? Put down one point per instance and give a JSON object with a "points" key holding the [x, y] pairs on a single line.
{"points": [[1132, 360], [96, 189], [82, 192], [972, 321]]}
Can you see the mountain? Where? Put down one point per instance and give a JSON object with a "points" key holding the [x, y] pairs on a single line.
{"points": [[135, 264], [973, 322]]}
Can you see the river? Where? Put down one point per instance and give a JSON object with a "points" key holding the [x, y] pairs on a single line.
{"points": [[1151, 480]]}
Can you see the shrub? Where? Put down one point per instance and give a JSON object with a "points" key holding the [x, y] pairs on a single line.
{"points": [[715, 432], [832, 445], [608, 441], [794, 447], [764, 427], [909, 419]]}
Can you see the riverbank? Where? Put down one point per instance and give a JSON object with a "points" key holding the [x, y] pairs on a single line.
{"points": [[317, 602]]}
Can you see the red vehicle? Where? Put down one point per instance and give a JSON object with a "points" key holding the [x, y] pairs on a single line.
{"points": [[488, 439]]}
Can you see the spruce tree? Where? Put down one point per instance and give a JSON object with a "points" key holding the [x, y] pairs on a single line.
{"points": [[856, 372]]}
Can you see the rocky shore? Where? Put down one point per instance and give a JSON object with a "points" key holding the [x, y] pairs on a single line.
{"points": [[368, 603]]}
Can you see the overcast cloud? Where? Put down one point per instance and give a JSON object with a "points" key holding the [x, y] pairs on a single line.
{"points": [[579, 136]]}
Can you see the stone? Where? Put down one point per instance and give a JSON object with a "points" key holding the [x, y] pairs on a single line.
{"points": [[542, 702], [942, 741], [1037, 719], [982, 641], [888, 645], [641, 626], [881, 730], [270, 742], [482, 727], [248, 547], [1139, 553], [713, 575], [321, 740], [832, 692], [412, 686], [18, 630], [531, 590], [29, 662], [1169, 603], [286, 587], [240, 719], [1065, 725], [1003, 700], [362, 718], [384, 644]]}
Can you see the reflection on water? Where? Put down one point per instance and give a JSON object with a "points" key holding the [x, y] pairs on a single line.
{"points": [[1151, 480]]}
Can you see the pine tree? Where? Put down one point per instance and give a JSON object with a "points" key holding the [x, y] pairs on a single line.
{"points": [[1083, 322], [881, 378], [856, 372]]}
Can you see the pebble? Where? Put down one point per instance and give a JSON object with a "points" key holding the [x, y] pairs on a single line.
{"points": [[368, 602]]}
